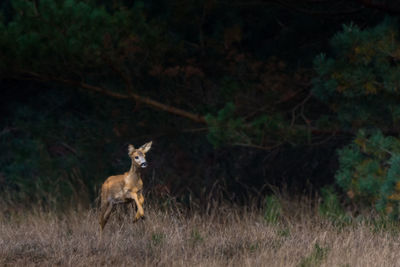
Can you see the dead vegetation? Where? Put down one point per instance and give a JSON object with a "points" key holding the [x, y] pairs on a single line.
{"points": [[226, 236]]}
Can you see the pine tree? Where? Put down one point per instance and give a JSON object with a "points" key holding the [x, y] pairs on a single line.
{"points": [[360, 83]]}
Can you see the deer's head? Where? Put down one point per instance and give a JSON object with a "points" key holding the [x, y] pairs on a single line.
{"points": [[138, 155]]}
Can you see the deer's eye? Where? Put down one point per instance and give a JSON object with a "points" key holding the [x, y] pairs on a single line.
{"points": [[136, 157]]}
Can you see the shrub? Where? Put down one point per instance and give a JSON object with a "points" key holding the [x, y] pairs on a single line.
{"points": [[369, 171]]}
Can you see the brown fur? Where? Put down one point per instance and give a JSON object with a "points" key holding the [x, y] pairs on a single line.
{"points": [[125, 187]]}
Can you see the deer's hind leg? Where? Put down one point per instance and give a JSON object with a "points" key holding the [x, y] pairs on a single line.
{"points": [[105, 214]]}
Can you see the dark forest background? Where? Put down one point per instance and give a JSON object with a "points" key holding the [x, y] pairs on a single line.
{"points": [[241, 98]]}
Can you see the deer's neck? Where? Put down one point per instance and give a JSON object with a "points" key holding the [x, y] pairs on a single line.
{"points": [[133, 176]]}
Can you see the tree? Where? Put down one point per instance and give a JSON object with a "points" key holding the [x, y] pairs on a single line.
{"points": [[237, 70], [84, 46], [360, 83], [104, 49]]}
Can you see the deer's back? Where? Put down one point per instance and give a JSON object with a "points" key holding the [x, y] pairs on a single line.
{"points": [[112, 187]]}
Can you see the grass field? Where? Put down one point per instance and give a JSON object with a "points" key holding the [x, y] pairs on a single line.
{"points": [[296, 235]]}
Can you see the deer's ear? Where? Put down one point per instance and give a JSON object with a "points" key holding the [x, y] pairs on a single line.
{"points": [[146, 147], [131, 149]]}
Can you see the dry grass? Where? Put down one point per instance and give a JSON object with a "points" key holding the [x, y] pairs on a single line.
{"points": [[228, 236]]}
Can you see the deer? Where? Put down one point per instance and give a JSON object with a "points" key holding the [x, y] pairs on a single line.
{"points": [[125, 188]]}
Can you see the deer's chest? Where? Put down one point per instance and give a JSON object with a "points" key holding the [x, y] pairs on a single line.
{"points": [[129, 188], [126, 194], [133, 186]]}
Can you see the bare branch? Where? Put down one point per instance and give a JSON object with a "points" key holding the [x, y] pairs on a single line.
{"points": [[145, 100], [390, 7], [7, 130], [308, 6]]}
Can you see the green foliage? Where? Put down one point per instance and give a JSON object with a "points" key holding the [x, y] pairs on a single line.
{"points": [[204, 57], [47, 160], [316, 257], [272, 209], [386, 224], [225, 127], [331, 207], [360, 84], [369, 171], [360, 81], [196, 237], [157, 239], [284, 232], [146, 48], [30, 168], [69, 37]]}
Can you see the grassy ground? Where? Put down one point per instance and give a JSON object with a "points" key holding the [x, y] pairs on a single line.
{"points": [[296, 235]]}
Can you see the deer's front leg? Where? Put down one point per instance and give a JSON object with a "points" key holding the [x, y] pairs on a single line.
{"points": [[141, 198], [140, 211]]}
